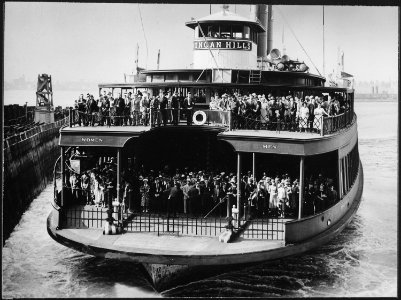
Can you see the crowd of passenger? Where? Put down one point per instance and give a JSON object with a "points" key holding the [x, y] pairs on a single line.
{"points": [[283, 112], [133, 109], [250, 110], [199, 192]]}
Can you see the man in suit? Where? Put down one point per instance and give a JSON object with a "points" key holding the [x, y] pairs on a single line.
{"points": [[188, 106], [175, 105], [127, 109], [175, 197], [106, 109], [91, 109], [163, 107], [157, 190]]}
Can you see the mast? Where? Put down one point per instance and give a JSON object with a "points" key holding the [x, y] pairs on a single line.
{"points": [[158, 59], [324, 72]]}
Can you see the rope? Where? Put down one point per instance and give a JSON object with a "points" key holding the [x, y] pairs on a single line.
{"points": [[146, 41], [292, 31]]}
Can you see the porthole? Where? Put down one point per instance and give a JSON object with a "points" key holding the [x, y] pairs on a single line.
{"points": [[328, 222], [348, 204], [322, 218]]}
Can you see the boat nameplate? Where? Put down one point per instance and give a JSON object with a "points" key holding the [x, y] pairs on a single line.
{"points": [[223, 44]]}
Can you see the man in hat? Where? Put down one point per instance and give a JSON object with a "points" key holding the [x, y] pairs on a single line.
{"points": [[81, 108]]}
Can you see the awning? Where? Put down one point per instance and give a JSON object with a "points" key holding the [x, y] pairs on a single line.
{"points": [[99, 136]]}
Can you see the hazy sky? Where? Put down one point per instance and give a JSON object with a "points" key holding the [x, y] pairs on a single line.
{"points": [[97, 41]]}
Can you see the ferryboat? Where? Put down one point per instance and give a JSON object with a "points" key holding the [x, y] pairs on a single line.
{"points": [[232, 55]]}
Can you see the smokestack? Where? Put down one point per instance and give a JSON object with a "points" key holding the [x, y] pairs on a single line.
{"points": [[269, 28], [261, 15]]}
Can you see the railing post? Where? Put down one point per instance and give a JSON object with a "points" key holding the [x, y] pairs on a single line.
{"points": [[301, 186], [238, 185], [230, 120], [321, 125], [151, 118]]}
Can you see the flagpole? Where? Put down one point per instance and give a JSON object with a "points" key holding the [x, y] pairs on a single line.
{"points": [[324, 72]]}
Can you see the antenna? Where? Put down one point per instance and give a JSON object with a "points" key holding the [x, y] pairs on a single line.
{"points": [[158, 59], [137, 58]]}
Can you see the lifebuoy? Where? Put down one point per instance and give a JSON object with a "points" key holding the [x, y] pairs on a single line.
{"points": [[197, 113]]}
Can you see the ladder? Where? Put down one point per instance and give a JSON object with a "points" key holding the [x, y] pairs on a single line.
{"points": [[255, 76]]}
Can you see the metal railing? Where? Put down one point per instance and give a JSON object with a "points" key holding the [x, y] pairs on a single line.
{"points": [[158, 117], [81, 217], [178, 225], [152, 117], [264, 228], [336, 123], [31, 132]]}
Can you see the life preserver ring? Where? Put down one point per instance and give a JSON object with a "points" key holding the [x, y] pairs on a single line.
{"points": [[197, 113]]}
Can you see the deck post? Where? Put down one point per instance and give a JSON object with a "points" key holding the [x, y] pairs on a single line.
{"points": [[230, 120], [118, 175], [340, 179], [301, 185], [239, 185], [62, 176], [254, 166]]}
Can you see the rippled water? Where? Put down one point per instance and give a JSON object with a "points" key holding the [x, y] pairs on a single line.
{"points": [[362, 261]]}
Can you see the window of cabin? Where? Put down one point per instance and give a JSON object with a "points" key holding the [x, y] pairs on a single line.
{"points": [[201, 78], [225, 31], [170, 77], [238, 31], [213, 31], [158, 78], [183, 76], [247, 32]]}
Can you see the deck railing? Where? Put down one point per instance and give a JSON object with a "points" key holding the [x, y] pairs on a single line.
{"points": [[31, 132], [322, 125]]}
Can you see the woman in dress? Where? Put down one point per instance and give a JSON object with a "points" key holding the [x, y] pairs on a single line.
{"points": [[273, 204], [264, 108], [282, 199], [144, 190], [303, 117], [318, 121]]}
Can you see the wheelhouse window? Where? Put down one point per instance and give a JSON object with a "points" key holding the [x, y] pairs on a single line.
{"points": [[254, 36], [247, 32], [238, 31], [213, 31], [225, 31]]}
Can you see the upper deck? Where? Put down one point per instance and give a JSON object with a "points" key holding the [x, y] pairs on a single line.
{"points": [[328, 133]]}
